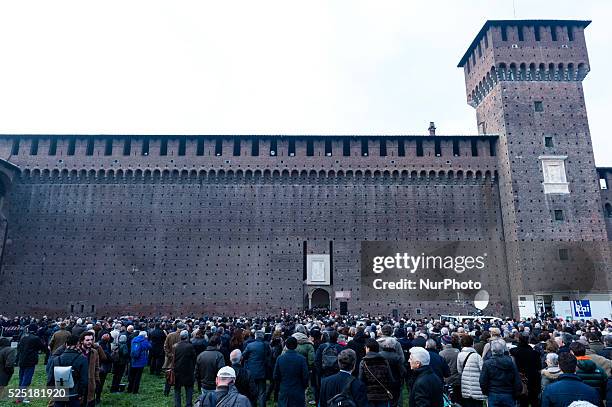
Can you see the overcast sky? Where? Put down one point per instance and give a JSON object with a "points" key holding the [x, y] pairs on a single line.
{"points": [[263, 67]]}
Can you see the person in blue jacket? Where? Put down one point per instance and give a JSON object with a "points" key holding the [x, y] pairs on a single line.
{"points": [[139, 355], [568, 387]]}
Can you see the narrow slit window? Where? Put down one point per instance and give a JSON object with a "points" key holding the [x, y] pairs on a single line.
{"points": [[108, 147], [401, 148], [15, 148], [71, 146], [346, 147], [182, 146], [255, 147], [474, 148], [218, 147], [559, 215], [383, 147], [90, 147], [291, 149], [309, 148], [456, 148], [236, 147], [437, 148], [553, 32], [548, 142], [163, 147], [419, 148], [273, 147], [536, 31], [145, 147], [364, 147], [521, 34], [127, 147], [328, 148], [53, 146], [492, 148], [570, 33], [34, 147], [200, 147]]}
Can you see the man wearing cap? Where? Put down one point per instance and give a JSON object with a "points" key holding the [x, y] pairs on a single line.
{"points": [[184, 368], [291, 374], [427, 387], [225, 393]]}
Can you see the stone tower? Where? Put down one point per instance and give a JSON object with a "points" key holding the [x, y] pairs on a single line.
{"points": [[524, 78]]}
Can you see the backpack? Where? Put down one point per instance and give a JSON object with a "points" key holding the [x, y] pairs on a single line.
{"points": [[63, 376], [329, 360], [344, 398], [136, 350]]}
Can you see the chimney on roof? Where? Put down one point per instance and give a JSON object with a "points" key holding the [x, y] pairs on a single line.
{"points": [[432, 129]]}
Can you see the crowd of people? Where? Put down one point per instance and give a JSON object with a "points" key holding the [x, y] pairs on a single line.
{"points": [[326, 360]]}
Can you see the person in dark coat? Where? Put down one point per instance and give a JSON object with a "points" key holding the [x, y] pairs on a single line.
{"points": [[208, 364], [568, 387], [291, 373], [157, 337], [256, 355], [244, 382], [121, 358], [184, 369], [105, 365], [225, 393], [436, 362], [426, 387], [609, 392], [375, 373], [528, 363], [336, 384], [71, 356], [8, 357], [358, 345], [499, 377], [27, 350], [396, 364]]}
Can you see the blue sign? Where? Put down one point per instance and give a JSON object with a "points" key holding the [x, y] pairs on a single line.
{"points": [[582, 308]]}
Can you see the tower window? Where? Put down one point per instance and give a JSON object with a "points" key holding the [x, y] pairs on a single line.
{"points": [[364, 147], [182, 146], [603, 183], [163, 147], [309, 148], [218, 147], [346, 147], [200, 147], [559, 215], [456, 148], [437, 148], [419, 148], [108, 147], [34, 147], [273, 147], [71, 146], [570, 33], [328, 148], [90, 147], [401, 149], [53, 146], [236, 147], [383, 147], [492, 148], [474, 148], [564, 254], [145, 147], [15, 148], [548, 141], [127, 147], [255, 147], [291, 147], [538, 106], [608, 208]]}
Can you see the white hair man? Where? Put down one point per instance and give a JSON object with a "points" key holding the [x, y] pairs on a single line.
{"points": [[225, 394], [427, 387]]}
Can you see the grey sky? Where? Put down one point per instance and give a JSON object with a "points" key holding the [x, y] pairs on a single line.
{"points": [[262, 67]]}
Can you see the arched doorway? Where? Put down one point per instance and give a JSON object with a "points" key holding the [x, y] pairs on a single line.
{"points": [[320, 299]]}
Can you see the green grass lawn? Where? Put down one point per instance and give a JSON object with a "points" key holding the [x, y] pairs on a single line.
{"points": [[151, 392]]}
